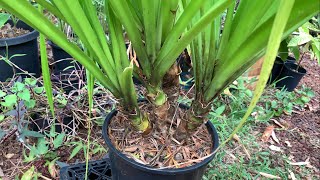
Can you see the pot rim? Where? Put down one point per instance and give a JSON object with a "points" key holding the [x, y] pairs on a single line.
{"points": [[299, 69], [143, 167], [19, 39]]}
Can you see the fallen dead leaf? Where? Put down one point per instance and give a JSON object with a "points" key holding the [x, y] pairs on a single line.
{"points": [[267, 133], [236, 137], [227, 92], [278, 123], [288, 143], [291, 157], [274, 137], [255, 115], [232, 156], [9, 156], [308, 178], [269, 175], [299, 163], [286, 113], [131, 149], [1, 173], [292, 176], [235, 82], [275, 148], [297, 112]]}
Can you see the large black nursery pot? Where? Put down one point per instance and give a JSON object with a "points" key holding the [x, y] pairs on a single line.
{"points": [[25, 44], [62, 60], [124, 168], [290, 76]]}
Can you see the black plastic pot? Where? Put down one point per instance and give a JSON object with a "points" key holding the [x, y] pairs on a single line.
{"points": [[186, 78], [276, 70], [26, 44], [97, 170], [290, 76], [62, 59], [124, 168], [278, 67]]}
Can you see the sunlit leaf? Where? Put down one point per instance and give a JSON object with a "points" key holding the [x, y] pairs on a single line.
{"points": [[28, 175], [57, 142], [76, 150]]}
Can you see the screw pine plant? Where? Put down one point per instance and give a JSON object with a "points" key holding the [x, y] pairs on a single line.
{"points": [[219, 59], [106, 59], [159, 31]]}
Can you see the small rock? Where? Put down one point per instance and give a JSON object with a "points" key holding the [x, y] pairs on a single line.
{"points": [[9, 156], [178, 157]]}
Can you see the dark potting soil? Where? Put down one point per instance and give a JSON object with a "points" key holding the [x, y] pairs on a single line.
{"points": [[8, 31], [159, 148]]}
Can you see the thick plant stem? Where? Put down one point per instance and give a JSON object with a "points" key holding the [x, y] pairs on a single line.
{"points": [[159, 100], [141, 123], [196, 116], [162, 97]]}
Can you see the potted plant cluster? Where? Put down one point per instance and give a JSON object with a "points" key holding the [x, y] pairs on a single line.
{"points": [[18, 48], [299, 43], [155, 138]]}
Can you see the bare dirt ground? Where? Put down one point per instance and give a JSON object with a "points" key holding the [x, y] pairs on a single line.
{"points": [[304, 126]]}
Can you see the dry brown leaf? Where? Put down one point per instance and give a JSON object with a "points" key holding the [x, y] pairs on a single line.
{"points": [[275, 148], [227, 92], [274, 137], [269, 175], [288, 143], [278, 123], [255, 115], [299, 163], [232, 156], [308, 178], [236, 137], [292, 176], [235, 82], [1, 173], [286, 113], [246, 151], [131, 149], [267, 133], [9, 156]]}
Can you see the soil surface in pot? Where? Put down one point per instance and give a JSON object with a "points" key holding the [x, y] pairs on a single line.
{"points": [[8, 31], [160, 148]]}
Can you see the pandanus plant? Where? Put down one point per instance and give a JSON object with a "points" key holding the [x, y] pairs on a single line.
{"points": [[158, 37], [220, 58], [159, 31]]}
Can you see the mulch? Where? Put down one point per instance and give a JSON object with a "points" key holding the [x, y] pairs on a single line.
{"points": [[8, 31]]}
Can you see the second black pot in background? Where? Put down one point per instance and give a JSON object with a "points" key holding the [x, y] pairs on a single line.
{"points": [[278, 67], [290, 76], [62, 60]]}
